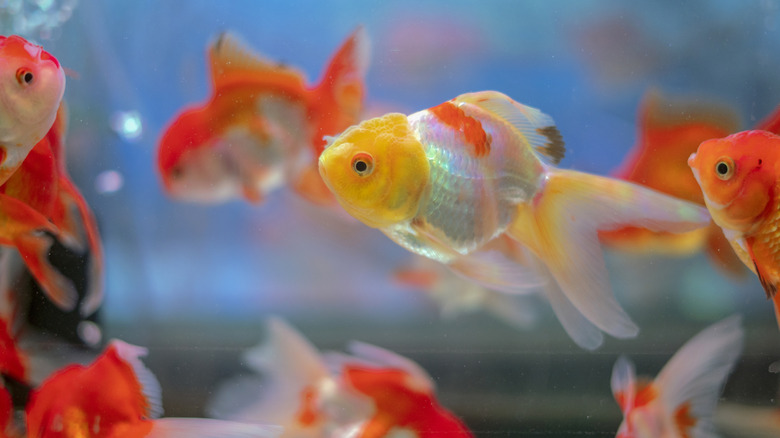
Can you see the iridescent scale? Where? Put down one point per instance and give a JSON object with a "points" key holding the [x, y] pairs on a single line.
{"points": [[470, 199]]}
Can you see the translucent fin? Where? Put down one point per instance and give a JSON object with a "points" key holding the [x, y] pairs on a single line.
{"points": [[289, 364], [579, 328], [229, 55], [697, 372], [562, 225], [494, 270], [209, 428], [535, 126], [34, 250], [75, 211], [150, 386], [623, 383]]}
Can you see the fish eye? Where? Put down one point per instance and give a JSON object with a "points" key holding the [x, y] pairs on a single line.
{"points": [[724, 168], [363, 164], [24, 76]]}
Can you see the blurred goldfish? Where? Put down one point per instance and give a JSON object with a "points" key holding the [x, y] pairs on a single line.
{"points": [[738, 175], [41, 188], [32, 83], [669, 131], [445, 182], [116, 396], [262, 127], [369, 393], [681, 401], [13, 362]]}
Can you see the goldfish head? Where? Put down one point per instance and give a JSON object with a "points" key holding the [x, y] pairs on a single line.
{"points": [[32, 83], [736, 177], [377, 170]]}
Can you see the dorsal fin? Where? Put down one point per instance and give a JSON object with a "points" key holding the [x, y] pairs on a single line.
{"points": [[537, 127], [150, 386], [230, 55]]}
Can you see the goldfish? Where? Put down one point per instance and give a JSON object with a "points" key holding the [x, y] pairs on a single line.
{"points": [[262, 127], [116, 396], [370, 392], [32, 85], [41, 184], [668, 132], [738, 176], [447, 181], [681, 400]]}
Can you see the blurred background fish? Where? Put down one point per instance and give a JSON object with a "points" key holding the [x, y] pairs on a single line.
{"points": [[262, 127], [369, 392]]}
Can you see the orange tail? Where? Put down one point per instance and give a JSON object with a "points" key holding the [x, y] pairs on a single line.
{"points": [[25, 228], [342, 89]]}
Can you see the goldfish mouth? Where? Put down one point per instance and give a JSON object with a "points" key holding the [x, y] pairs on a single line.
{"points": [[707, 200]]}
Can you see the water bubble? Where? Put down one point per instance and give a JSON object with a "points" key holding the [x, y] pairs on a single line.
{"points": [[127, 124], [108, 181]]}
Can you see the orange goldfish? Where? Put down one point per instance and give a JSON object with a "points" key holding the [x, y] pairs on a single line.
{"points": [[32, 83], [116, 396], [738, 175], [446, 182], [400, 405], [669, 131], [262, 127], [42, 184], [681, 401], [366, 393]]}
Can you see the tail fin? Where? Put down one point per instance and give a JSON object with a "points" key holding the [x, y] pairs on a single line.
{"points": [[561, 226], [26, 229], [342, 88], [75, 218], [289, 365], [692, 380]]}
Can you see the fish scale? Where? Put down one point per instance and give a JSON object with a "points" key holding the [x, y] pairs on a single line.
{"points": [[463, 186], [766, 244]]}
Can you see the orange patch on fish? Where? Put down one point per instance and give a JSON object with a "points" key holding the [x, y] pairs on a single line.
{"points": [[471, 128], [684, 420], [308, 414]]}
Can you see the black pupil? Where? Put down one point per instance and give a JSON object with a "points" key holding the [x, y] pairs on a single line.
{"points": [[723, 168], [28, 77], [361, 166]]}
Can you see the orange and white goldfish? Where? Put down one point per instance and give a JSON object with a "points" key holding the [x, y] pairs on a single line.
{"points": [[369, 393], [680, 402], [32, 83], [446, 182], [669, 131], [42, 185], [262, 127], [738, 175], [116, 396]]}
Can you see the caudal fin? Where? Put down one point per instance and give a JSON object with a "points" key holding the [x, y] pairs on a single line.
{"points": [[74, 218], [691, 381], [561, 226], [28, 230], [342, 89], [289, 365]]}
